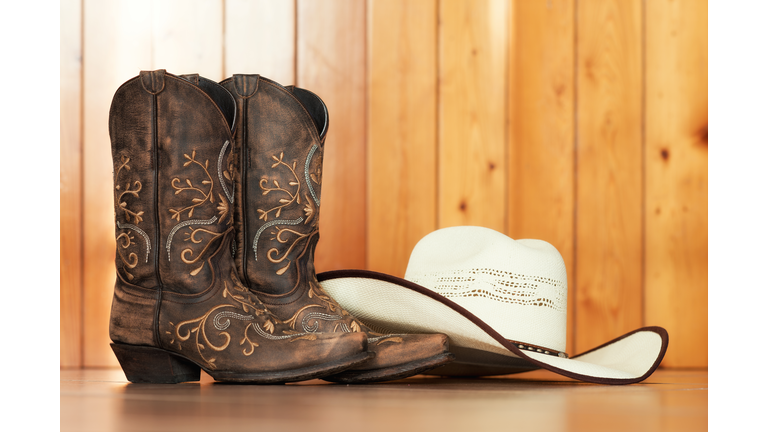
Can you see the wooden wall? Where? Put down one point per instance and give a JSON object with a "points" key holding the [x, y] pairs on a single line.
{"points": [[580, 122]]}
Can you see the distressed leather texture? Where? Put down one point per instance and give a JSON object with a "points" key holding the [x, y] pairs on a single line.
{"points": [[278, 149], [177, 288]]}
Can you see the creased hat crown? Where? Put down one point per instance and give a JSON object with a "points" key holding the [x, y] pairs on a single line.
{"points": [[518, 287]]}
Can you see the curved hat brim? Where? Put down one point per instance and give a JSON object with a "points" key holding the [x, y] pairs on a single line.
{"points": [[394, 305]]}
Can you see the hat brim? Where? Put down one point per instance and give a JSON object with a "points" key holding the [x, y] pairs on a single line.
{"points": [[394, 305]]}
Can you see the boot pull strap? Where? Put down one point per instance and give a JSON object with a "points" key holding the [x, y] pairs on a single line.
{"points": [[246, 85], [153, 81], [193, 78]]}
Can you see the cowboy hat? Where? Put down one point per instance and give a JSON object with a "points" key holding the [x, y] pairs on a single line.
{"points": [[502, 303]]}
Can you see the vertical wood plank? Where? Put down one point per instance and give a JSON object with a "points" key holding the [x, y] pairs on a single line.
{"points": [[473, 73], [70, 221], [187, 37], [402, 128], [116, 46], [331, 63], [609, 239], [541, 118], [176, 36], [113, 53], [260, 38], [676, 177]]}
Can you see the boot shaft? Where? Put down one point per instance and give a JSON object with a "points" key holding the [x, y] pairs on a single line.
{"points": [[278, 143], [171, 149]]}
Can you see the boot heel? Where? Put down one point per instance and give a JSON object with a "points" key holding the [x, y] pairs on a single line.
{"points": [[142, 364]]}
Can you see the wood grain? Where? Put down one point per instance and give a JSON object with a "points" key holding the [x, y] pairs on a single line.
{"points": [[331, 63], [402, 130], [113, 54], [71, 182], [177, 36], [472, 132], [669, 401], [260, 38], [542, 129], [676, 178], [609, 243], [187, 37], [523, 116]]}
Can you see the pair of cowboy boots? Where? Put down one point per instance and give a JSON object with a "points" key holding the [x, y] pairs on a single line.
{"points": [[217, 195]]}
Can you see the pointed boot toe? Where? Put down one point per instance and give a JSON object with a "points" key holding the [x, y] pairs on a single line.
{"points": [[397, 356]]}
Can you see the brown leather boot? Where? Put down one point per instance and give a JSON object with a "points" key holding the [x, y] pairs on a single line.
{"points": [[178, 305], [279, 138]]}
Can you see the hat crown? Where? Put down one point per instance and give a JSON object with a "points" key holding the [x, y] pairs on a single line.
{"points": [[518, 287]]}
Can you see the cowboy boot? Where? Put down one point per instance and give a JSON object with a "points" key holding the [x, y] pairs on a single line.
{"points": [[279, 139], [178, 305]]}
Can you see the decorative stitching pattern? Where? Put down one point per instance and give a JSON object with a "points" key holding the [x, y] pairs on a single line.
{"points": [[181, 225], [124, 240], [135, 192], [266, 335], [498, 285], [140, 231], [184, 331], [316, 316], [230, 196], [285, 236], [227, 315], [283, 202], [306, 175], [267, 225], [198, 193], [196, 202], [290, 243]]}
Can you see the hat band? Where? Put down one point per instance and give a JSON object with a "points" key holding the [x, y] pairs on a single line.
{"points": [[538, 349]]}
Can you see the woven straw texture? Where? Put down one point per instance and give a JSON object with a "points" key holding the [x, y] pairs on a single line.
{"points": [[518, 287]]}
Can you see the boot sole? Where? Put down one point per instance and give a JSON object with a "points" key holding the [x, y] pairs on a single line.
{"points": [[390, 373], [143, 364]]}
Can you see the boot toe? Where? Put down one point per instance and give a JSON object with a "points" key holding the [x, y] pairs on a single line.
{"points": [[402, 349], [330, 347], [398, 356]]}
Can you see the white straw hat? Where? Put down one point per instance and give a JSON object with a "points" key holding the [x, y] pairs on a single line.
{"points": [[502, 303]]}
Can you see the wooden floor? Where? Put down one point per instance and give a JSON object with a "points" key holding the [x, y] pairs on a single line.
{"points": [[670, 400]]}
